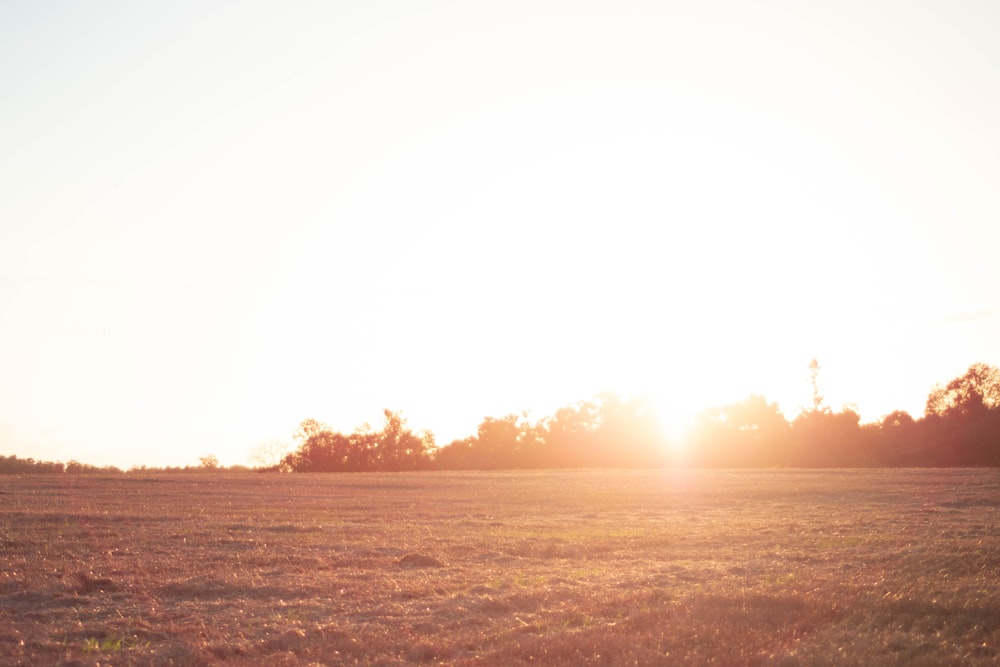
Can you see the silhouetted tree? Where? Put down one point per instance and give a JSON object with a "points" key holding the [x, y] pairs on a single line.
{"points": [[605, 431], [394, 448], [827, 439], [457, 455], [751, 432], [896, 439], [975, 392], [320, 450], [961, 425], [497, 445], [570, 438]]}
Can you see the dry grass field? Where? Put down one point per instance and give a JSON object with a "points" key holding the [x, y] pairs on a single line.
{"points": [[578, 567]]}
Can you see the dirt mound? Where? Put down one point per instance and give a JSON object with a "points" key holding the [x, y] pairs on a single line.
{"points": [[410, 561]]}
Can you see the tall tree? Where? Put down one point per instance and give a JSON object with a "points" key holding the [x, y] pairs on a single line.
{"points": [[962, 422], [817, 399], [974, 392], [320, 450], [396, 447]]}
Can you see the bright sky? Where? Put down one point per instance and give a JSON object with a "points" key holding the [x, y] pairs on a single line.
{"points": [[218, 219]]}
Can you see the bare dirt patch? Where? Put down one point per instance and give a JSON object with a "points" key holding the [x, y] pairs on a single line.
{"points": [[576, 567]]}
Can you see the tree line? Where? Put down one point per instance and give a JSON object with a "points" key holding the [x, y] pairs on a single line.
{"points": [[11, 465], [606, 431], [960, 427]]}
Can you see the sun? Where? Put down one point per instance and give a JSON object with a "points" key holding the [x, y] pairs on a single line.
{"points": [[677, 420], [674, 413], [681, 394]]}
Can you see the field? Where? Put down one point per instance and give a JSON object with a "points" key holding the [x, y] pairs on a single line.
{"points": [[572, 567]]}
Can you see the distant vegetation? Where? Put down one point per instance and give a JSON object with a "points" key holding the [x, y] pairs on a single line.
{"points": [[960, 427], [605, 432], [11, 465]]}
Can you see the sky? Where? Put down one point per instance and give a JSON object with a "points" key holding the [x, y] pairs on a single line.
{"points": [[219, 219]]}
